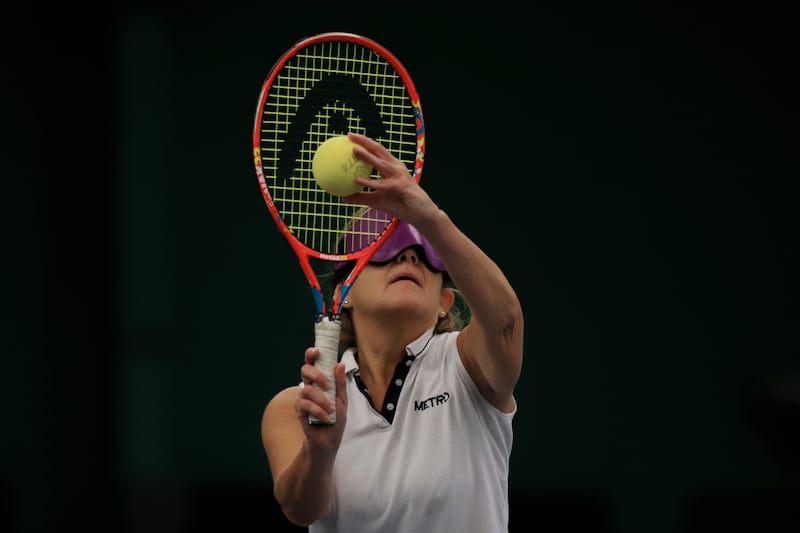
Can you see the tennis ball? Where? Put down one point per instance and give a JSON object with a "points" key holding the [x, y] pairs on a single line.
{"points": [[335, 167]]}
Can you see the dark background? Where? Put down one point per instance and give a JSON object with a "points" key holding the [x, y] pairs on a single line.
{"points": [[632, 171]]}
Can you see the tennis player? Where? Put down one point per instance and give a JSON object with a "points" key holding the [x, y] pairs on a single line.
{"points": [[424, 403]]}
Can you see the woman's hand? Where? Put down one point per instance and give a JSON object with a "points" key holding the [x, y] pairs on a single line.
{"points": [[396, 192], [312, 401]]}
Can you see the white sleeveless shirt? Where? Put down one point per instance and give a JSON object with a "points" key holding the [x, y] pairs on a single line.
{"points": [[442, 463]]}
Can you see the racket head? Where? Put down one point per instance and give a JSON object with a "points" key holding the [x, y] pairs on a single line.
{"points": [[327, 85]]}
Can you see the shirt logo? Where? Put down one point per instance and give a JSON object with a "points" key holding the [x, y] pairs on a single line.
{"points": [[433, 401]]}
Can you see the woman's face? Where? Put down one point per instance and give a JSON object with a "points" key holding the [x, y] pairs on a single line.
{"points": [[403, 285]]}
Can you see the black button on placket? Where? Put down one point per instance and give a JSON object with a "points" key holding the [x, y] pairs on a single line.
{"points": [[393, 391]]}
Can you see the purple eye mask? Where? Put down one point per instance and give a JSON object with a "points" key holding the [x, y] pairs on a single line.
{"points": [[403, 236]]}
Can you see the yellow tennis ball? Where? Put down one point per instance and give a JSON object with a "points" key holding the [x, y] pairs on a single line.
{"points": [[335, 167]]}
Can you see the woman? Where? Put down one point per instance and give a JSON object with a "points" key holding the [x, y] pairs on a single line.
{"points": [[423, 431]]}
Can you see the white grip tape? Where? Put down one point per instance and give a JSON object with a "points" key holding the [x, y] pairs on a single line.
{"points": [[326, 333]]}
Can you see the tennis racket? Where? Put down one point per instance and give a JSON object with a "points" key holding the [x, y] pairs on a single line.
{"points": [[324, 86]]}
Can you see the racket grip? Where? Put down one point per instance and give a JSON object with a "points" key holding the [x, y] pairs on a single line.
{"points": [[326, 332]]}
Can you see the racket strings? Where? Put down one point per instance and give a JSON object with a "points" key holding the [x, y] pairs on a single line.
{"points": [[326, 89]]}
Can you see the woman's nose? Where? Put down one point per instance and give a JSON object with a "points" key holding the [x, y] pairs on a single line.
{"points": [[409, 254]]}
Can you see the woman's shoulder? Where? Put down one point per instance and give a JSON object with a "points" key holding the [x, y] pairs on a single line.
{"points": [[282, 401]]}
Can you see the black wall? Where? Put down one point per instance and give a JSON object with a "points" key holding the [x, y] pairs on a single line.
{"points": [[632, 172]]}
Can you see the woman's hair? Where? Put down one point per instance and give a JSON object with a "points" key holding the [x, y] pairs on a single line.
{"points": [[455, 319]]}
